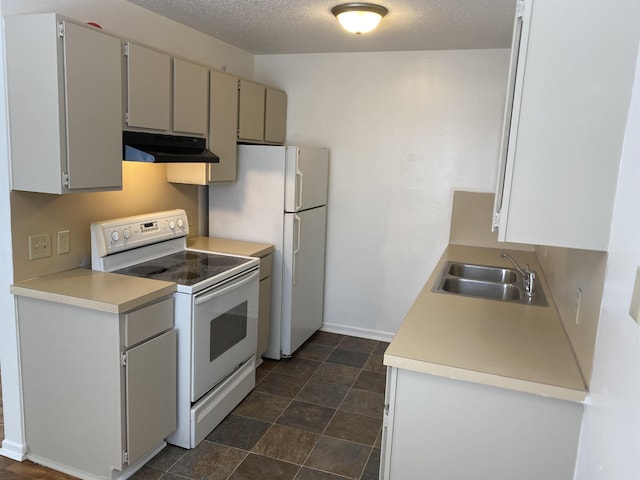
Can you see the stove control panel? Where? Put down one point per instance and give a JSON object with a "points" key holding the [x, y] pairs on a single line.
{"points": [[127, 233]]}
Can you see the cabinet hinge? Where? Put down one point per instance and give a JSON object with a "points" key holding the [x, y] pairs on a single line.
{"points": [[496, 220], [123, 359], [125, 49], [125, 457], [520, 8], [65, 179], [126, 118], [61, 29]]}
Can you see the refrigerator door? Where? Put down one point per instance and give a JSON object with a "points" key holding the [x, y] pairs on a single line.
{"points": [[307, 178], [303, 276]]}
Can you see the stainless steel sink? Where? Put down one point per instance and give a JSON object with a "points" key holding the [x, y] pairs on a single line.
{"points": [[488, 282], [483, 272]]}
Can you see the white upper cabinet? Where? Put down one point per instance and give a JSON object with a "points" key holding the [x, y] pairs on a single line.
{"points": [[190, 102], [148, 88], [251, 111], [223, 128], [64, 84], [275, 116], [571, 76]]}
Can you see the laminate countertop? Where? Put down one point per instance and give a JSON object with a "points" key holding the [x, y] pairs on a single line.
{"points": [[82, 287], [502, 344], [225, 245]]}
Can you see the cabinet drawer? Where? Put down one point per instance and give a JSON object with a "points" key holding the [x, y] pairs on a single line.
{"points": [[265, 266], [148, 321]]}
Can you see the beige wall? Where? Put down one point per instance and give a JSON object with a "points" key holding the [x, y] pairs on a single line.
{"points": [[145, 189], [471, 222]]}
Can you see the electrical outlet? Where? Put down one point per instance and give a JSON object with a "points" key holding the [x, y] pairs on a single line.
{"points": [[64, 242], [39, 246], [577, 306]]}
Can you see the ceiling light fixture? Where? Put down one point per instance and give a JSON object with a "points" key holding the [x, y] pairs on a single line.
{"points": [[359, 17]]}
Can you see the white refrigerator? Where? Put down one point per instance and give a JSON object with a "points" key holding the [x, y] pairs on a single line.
{"points": [[280, 197]]}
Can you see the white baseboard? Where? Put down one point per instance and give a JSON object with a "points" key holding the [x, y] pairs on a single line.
{"points": [[357, 332], [14, 451]]}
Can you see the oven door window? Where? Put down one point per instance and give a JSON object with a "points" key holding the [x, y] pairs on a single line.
{"points": [[227, 330]]}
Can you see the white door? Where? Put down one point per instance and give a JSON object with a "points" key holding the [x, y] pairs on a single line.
{"points": [[307, 178], [303, 276]]}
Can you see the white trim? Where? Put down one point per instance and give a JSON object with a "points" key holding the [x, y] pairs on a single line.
{"points": [[357, 332], [13, 450]]}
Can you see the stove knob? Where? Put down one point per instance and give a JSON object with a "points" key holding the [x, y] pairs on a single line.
{"points": [[126, 234], [172, 224], [180, 223], [115, 236]]}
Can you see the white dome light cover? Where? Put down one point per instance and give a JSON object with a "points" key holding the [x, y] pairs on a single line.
{"points": [[359, 17]]}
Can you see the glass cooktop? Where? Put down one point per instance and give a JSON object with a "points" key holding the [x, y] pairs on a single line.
{"points": [[184, 268]]}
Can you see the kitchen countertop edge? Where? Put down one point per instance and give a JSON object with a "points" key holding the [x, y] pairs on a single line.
{"points": [[106, 292]]}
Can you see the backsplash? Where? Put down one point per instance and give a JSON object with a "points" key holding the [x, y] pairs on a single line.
{"points": [[568, 270], [145, 189]]}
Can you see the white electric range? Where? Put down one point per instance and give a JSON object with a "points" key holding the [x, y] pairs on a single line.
{"points": [[216, 311]]}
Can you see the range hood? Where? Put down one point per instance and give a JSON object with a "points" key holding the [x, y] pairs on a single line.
{"points": [[161, 148]]}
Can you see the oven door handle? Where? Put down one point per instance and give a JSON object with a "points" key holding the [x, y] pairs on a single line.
{"points": [[222, 291]]}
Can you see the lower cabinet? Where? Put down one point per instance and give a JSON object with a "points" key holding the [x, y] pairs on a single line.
{"points": [[440, 428], [99, 388]]}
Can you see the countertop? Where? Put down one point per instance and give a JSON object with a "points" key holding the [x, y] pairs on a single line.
{"points": [[224, 245], [507, 345], [107, 292], [115, 293]]}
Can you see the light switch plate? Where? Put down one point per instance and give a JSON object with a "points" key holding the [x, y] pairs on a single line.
{"points": [[634, 310], [39, 246]]}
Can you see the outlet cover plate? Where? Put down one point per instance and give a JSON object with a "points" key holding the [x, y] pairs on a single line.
{"points": [[64, 242]]}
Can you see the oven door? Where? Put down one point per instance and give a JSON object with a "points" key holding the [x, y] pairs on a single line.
{"points": [[225, 330]]}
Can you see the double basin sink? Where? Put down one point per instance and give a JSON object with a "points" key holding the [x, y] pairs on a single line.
{"points": [[488, 282]]}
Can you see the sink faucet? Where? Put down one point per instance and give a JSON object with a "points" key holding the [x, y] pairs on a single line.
{"points": [[528, 276]]}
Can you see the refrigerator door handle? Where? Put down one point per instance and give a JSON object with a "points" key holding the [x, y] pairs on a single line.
{"points": [[296, 219], [298, 188]]}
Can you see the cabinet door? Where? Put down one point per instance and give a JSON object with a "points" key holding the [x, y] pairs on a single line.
{"points": [[223, 136], [190, 105], [151, 393], [64, 90], [569, 116], [223, 131], [251, 111], [93, 91], [275, 119], [148, 88]]}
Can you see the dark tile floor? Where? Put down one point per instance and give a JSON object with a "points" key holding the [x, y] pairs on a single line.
{"points": [[315, 416]]}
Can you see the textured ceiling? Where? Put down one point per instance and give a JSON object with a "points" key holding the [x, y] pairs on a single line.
{"points": [[307, 26]]}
